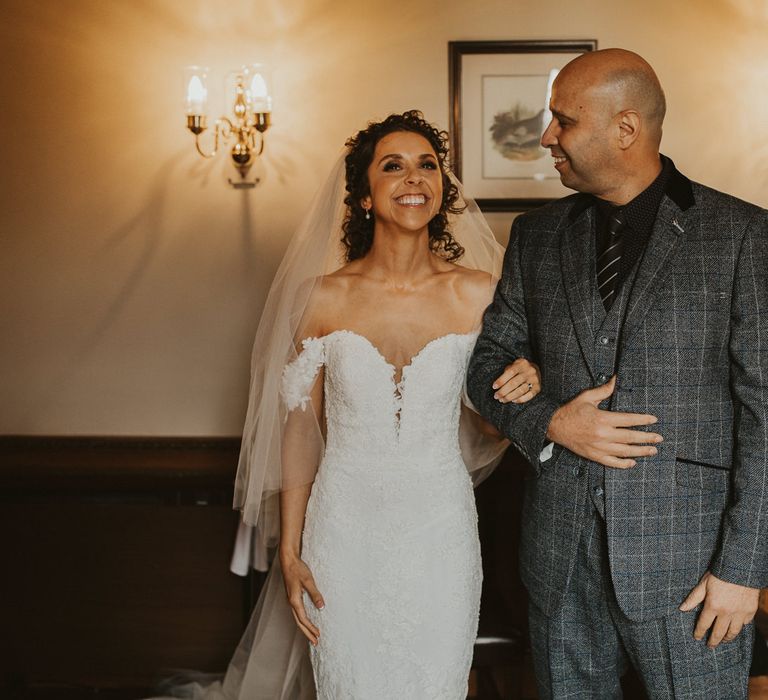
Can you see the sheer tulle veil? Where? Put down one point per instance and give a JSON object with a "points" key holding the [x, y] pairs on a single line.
{"points": [[272, 661], [269, 459], [263, 468]]}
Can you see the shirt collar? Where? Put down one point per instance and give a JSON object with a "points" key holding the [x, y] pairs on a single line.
{"points": [[669, 182]]}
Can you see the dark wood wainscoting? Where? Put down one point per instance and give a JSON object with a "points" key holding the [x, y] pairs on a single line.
{"points": [[115, 568], [116, 560]]}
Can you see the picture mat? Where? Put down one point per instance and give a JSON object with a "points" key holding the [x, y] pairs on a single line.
{"points": [[501, 94], [475, 138]]}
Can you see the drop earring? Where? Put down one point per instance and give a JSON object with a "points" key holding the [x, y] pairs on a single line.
{"points": [[368, 214]]}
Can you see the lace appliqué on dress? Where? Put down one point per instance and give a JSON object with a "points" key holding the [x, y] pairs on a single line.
{"points": [[390, 533], [299, 375]]}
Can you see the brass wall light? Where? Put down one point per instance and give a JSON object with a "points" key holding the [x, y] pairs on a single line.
{"points": [[248, 90]]}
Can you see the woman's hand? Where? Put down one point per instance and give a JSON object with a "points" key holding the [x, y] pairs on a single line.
{"points": [[298, 578], [518, 383]]}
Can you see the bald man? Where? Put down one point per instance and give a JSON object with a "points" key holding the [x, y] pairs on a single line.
{"points": [[644, 299]]}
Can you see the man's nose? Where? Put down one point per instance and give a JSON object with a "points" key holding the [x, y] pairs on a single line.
{"points": [[548, 138]]}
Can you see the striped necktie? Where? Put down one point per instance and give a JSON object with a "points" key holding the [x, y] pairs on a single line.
{"points": [[609, 258]]}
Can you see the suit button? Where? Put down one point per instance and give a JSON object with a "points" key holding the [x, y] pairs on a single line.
{"points": [[602, 378], [598, 491], [576, 471], [603, 340]]}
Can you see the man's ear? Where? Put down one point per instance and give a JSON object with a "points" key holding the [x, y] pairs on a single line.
{"points": [[630, 124]]}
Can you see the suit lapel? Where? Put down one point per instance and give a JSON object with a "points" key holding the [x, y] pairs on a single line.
{"points": [[576, 262], [655, 264]]}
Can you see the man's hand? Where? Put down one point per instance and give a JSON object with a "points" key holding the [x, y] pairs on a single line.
{"points": [[602, 436], [728, 606]]}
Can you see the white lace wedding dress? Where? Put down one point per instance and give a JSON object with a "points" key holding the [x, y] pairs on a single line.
{"points": [[391, 527]]}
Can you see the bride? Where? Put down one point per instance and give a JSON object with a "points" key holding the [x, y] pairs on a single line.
{"points": [[357, 426]]}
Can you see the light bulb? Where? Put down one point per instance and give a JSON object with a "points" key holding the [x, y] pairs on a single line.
{"points": [[196, 95], [258, 86], [258, 94]]}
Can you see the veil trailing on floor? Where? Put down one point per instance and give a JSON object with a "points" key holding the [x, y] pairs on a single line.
{"points": [[282, 448]]}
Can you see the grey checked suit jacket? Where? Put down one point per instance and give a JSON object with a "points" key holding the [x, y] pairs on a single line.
{"points": [[689, 343]]}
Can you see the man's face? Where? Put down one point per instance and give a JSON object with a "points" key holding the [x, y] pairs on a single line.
{"points": [[580, 136]]}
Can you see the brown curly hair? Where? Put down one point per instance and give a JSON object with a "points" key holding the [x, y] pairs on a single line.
{"points": [[358, 231]]}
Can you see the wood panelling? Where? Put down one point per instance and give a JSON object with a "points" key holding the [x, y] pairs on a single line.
{"points": [[116, 559], [116, 566]]}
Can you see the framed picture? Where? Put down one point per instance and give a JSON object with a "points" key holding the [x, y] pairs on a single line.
{"points": [[499, 108]]}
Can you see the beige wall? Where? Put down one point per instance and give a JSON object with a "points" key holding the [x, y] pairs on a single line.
{"points": [[132, 276]]}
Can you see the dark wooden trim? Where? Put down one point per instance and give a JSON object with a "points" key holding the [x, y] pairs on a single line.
{"points": [[46, 464]]}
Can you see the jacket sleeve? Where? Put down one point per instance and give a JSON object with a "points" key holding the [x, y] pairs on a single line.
{"points": [[503, 339], [743, 554]]}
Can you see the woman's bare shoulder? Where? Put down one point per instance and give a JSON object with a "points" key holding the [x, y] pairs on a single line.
{"points": [[475, 284], [326, 294], [475, 278]]}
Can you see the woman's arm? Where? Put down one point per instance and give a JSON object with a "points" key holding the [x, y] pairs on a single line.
{"points": [[519, 383], [296, 574], [293, 507]]}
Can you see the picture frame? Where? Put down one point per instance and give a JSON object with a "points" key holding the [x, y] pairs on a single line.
{"points": [[499, 107]]}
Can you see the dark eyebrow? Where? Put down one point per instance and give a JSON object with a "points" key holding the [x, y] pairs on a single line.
{"points": [[397, 156], [561, 117]]}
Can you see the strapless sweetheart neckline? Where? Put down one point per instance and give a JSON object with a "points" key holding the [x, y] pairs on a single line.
{"points": [[413, 359]]}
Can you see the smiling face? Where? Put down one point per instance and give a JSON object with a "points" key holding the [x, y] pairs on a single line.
{"points": [[405, 181], [582, 136]]}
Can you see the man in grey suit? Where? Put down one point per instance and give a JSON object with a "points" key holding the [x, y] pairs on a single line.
{"points": [[644, 300]]}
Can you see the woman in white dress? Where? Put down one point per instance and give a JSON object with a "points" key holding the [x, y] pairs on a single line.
{"points": [[356, 425], [390, 558]]}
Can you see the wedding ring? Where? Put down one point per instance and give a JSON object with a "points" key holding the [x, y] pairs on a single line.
{"points": [[530, 386]]}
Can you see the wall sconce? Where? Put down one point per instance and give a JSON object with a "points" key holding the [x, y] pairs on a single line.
{"points": [[248, 90]]}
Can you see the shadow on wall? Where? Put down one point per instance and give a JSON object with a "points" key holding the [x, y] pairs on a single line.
{"points": [[146, 225]]}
